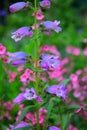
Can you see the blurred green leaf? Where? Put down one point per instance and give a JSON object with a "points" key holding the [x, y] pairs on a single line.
{"points": [[66, 120], [65, 81], [24, 111]]}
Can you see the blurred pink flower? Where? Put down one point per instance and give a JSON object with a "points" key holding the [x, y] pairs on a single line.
{"points": [[85, 51], [2, 50], [76, 51], [12, 76], [27, 76], [85, 40], [71, 127], [8, 105]]}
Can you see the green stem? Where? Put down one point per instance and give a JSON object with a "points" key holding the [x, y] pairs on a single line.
{"points": [[61, 117], [36, 60]]}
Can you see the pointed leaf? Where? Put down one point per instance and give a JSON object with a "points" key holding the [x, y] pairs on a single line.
{"points": [[24, 111]]}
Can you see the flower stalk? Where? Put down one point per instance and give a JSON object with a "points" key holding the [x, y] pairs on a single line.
{"points": [[36, 59]]}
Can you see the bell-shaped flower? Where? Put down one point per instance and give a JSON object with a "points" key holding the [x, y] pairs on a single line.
{"points": [[58, 90], [45, 4], [20, 125], [30, 94], [49, 62], [49, 25], [18, 6], [21, 32], [17, 58], [54, 128], [20, 98]]}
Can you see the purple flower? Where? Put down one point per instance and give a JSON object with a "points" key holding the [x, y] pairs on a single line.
{"points": [[18, 6], [49, 62], [20, 125], [21, 32], [39, 99], [52, 25], [18, 62], [58, 90], [17, 58], [20, 98], [30, 94], [45, 4], [54, 128]]}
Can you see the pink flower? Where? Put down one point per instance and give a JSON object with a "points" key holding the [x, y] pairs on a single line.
{"points": [[18, 6], [12, 76], [71, 127], [2, 50], [69, 49], [7, 115], [85, 40], [51, 49], [54, 50], [79, 72], [73, 50], [45, 48], [27, 76], [39, 15], [32, 116], [33, 26], [20, 68], [76, 51], [74, 78], [8, 105], [85, 51]]}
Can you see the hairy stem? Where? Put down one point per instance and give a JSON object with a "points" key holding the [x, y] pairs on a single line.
{"points": [[36, 59]]}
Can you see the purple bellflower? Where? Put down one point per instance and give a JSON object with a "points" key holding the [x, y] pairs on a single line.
{"points": [[18, 6], [58, 90], [21, 32], [49, 62], [20, 125], [20, 98], [54, 128], [17, 58], [29, 94], [49, 25], [45, 4]]}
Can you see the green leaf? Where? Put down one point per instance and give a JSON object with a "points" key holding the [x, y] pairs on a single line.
{"points": [[65, 81], [50, 106], [70, 108], [34, 69], [66, 120], [24, 111]]}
